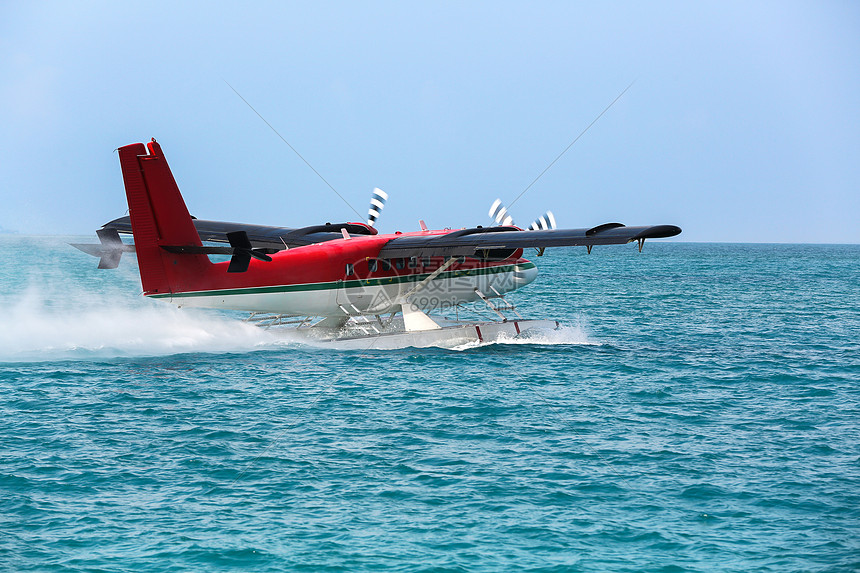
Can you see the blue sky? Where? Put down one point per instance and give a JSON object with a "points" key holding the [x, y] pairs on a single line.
{"points": [[743, 123]]}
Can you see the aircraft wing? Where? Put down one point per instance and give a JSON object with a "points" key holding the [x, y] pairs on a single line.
{"points": [[262, 236], [468, 242]]}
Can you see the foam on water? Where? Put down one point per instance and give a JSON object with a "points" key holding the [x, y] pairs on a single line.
{"points": [[564, 335], [39, 326], [42, 325]]}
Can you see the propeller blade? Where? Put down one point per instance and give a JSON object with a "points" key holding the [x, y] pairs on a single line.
{"points": [[500, 213], [377, 202], [543, 223]]}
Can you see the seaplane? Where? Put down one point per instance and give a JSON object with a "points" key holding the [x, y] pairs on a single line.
{"points": [[338, 283]]}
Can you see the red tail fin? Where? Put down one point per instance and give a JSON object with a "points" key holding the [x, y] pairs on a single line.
{"points": [[159, 218]]}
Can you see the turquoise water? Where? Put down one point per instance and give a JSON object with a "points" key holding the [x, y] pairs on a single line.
{"points": [[698, 412]]}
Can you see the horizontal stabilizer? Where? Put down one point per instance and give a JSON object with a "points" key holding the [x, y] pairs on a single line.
{"points": [[240, 248], [109, 251]]}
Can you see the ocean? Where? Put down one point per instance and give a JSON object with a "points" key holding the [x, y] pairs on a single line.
{"points": [[697, 411]]}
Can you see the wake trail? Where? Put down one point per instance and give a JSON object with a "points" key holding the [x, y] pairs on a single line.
{"points": [[565, 335], [41, 327]]}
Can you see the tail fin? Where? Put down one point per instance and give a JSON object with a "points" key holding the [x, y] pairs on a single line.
{"points": [[159, 218]]}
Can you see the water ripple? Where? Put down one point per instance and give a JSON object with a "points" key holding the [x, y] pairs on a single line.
{"points": [[697, 413]]}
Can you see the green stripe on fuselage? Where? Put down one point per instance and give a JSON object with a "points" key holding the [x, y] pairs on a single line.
{"points": [[348, 284]]}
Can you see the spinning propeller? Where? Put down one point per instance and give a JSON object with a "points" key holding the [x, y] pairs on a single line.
{"points": [[377, 203], [500, 214]]}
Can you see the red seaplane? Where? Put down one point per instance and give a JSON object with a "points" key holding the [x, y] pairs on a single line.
{"points": [[340, 282]]}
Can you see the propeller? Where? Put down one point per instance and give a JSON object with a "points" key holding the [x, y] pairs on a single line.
{"points": [[377, 202], [544, 222], [500, 214]]}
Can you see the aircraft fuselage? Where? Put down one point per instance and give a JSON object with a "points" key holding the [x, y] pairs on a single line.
{"points": [[346, 276]]}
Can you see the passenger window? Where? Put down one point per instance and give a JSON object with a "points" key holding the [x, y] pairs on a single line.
{"points": [[426, 262], [371, 265], [399, 263], [413, 262], [386, 265]]}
